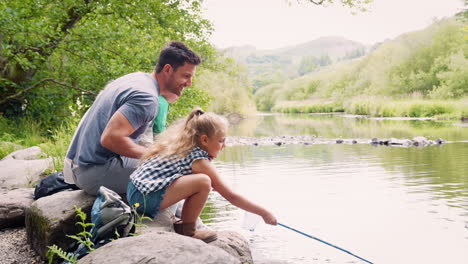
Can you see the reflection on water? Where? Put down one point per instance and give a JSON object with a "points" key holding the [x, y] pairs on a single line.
{"points": [[385, 204], [335, 126]]}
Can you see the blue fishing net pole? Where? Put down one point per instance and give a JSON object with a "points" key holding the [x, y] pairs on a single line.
{"points": [[320, 240], [307, 235]]}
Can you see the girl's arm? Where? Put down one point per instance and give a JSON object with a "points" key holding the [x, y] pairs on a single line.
{"points": [[205, 167]]}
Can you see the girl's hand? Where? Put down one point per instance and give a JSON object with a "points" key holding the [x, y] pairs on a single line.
{"points": [[269, 218]]}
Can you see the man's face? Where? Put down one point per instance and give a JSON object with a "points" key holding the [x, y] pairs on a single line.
{"points": [[178, 80]]}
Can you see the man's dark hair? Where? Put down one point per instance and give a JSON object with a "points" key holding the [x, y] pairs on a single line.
{"points": [[176, 54]]}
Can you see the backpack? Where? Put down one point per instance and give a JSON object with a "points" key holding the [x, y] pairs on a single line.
{"points": [[51, 184], [112, 219]]}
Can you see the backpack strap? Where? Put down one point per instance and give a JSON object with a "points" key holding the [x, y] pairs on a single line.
{"points": [[108, 213]]}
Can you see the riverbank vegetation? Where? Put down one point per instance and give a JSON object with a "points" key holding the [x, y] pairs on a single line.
{"points": [[381, 107], [26, 132], [419, 74], [60, 54], [55, 57]]}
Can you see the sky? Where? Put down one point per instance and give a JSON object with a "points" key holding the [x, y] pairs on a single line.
{"points": [[271, 24]]}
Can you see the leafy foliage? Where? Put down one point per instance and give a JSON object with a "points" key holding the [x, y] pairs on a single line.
{"points": [[357, 5], [427, 64], [438, 70], [229, 87], [83, 237], [307, 64], [277, 66], [53, 52], [139, 218], [55, 250]]}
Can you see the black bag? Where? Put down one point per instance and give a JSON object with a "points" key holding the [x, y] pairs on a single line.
{"points": [[51, 184]]}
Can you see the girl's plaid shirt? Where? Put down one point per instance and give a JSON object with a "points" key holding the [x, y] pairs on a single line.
{"points": [[157, 173]]}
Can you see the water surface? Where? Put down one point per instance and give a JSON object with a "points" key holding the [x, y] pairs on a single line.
{"points": [[385, 204]]}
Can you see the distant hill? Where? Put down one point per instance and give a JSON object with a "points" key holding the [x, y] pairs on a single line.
{"points": [[268, 66], [335, 47], [431, 63]]}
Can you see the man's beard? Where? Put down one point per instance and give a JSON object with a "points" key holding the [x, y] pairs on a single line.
{"points": [[173, 86]]}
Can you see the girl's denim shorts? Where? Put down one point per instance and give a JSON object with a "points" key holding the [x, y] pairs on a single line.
{"points": [[148, 204]]}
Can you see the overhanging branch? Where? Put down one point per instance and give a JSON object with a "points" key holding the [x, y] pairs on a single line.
{"points": [[40, 82], [316, 2]]}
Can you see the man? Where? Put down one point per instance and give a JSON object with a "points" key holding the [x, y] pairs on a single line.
{"points": [[104, 149]]}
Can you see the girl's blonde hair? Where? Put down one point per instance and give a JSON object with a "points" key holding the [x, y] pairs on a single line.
{"points": [[184, 134]]}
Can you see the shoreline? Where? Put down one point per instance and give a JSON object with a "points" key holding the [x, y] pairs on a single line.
{"points": [[312, 140]]}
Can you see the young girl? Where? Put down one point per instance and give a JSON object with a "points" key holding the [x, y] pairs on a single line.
{"points": [[178, 167]]}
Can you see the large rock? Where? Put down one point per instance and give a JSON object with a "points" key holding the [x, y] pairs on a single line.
{"points": [[31, 153], [421, 141], [164, 220], [234, 244], [159, 248], [22, 173], [51, 218], [13, 206], [231, 242], [400, 142]]}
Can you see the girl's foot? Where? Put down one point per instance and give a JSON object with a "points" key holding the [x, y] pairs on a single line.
{"points": [[190, 229]]}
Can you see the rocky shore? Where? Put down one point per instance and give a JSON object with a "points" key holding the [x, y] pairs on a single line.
{"points": [[311, 140], [21, 169], [15, 248], [28, 226]]}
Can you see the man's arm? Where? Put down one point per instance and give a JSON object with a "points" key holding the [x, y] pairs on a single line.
{"points": [[115, 137]]}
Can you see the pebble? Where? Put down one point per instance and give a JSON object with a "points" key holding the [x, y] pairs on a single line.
{"points": [[15, 248]]}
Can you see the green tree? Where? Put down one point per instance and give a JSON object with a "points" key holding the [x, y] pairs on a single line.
{"points": [[324, 60], [354, 54], [266, 97], [229, 87], [437, 69], [430, 63], [53, 52], [307, 64], [360, 5]]}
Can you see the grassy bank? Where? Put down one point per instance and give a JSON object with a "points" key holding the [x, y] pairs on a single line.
{"points": [[28, 133], [308, 107], [382, 107]]}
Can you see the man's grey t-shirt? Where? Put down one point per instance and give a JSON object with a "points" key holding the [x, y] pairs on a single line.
{"points": [[135, 95]]}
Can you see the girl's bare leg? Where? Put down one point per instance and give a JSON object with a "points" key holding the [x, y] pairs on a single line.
{"points": [[194, 189]]}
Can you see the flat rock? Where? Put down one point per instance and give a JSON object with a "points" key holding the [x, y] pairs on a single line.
{"points": [[420, 141], [162, 222], [22, 173], [51, 218], [159, 248], [234, 244], [231, 242], [31, 153], [13, 206]]}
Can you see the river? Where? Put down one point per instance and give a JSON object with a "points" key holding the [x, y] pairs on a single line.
{"points": [[384, 204]]}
